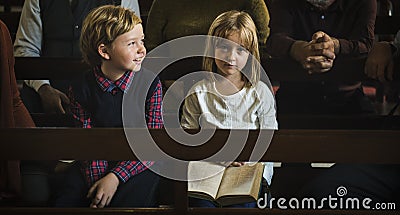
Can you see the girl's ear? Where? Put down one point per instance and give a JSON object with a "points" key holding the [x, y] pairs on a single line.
{"points": [[102, 49]]}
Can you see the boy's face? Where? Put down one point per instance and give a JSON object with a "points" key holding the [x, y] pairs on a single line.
{"points": [[127, 51]]}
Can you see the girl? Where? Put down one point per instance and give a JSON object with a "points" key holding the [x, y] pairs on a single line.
{"points": [[233, 97]]}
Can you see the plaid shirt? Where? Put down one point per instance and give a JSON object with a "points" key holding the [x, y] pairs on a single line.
{"points": [[96, 169]]}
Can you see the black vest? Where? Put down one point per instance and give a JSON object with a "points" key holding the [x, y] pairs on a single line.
{"points": [[106, 109], [62, 26]]}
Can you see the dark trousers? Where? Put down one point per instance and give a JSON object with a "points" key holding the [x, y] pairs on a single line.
{"points": [[138, 191], [294, 98], [380, 183]]}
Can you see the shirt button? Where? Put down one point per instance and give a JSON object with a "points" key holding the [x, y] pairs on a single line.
{"points": [[322, 17], [76, 26]]}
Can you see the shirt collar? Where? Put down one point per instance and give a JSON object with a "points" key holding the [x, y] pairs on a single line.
{"points": [[107, 85]]}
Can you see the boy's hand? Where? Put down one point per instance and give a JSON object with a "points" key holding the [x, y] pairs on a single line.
{"points": [[52, 99], [103, 191]]}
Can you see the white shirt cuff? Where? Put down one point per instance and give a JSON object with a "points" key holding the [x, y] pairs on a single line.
{"points": [[36, 84]]}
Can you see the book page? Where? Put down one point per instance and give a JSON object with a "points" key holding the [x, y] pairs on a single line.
{"points": [[241, 180], [211, 175]]}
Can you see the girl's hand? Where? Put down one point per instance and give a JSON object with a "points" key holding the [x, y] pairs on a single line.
{"points": [[237, 164], [104, 190]]}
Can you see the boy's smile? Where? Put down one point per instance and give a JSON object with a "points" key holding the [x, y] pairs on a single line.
{"points": [[126, 53]]}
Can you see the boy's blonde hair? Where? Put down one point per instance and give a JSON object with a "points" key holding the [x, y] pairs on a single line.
{"points": [[102, 26], [226, 24]]}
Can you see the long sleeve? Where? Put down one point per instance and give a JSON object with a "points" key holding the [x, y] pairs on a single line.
{"points": [[156, 23], [352, 22], [133, 5], [28, 41], [281, 24], [81, 116], [191, 112], [396, 41], [12, 114], [267, 112], [360, 39], [154, 109]]}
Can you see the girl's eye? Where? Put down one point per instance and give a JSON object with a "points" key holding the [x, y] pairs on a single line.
{"points": [[222, 47], [241, 50]]}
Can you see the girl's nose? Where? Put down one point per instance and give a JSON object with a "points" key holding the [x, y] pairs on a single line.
{"points": [[230, 56]]}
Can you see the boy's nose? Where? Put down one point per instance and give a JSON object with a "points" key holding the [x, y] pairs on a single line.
{"points": [[141, 48]]}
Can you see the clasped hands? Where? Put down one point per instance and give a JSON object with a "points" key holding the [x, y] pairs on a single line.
{"points": [[316, 56]]}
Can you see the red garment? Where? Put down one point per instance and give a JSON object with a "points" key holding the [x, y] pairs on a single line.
{"points": [[12, 114]]}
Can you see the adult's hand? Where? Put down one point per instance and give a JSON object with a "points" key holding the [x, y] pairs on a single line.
{"points": [[103, 191], [324, 49], [52, 99], [379, 64]]}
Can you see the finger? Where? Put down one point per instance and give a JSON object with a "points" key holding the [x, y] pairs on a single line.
{"points": [[93, 205], [322, 45], [324, 38], [235, 164], [319, 67], [390, 70], [317, 35], [64, 98], [60, 108], [369, 69], [372, 73], [325, 64], [380, 73], [328, 53], [98, 198], [316, 59], [91, 190], [108, 200], [103, 201]]}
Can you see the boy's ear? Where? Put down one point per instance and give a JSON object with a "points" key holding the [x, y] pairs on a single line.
{"points": [[102, 49]]}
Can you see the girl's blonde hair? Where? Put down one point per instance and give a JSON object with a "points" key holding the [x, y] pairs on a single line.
{"points": [[102, 26], [226, 24]]}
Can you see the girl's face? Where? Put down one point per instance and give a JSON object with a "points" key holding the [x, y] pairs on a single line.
{"points": [[231, 57], [127, 50]]}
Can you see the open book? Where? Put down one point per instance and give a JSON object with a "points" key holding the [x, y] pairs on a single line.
{"points": [[224, 185]]}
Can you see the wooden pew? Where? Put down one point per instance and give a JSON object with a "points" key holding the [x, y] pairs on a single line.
{"points": [[319, 145], [64, 68], [347, 146], [9, 4]]}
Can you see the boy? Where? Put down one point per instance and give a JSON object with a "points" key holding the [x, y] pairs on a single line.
{"points": [[112, 44]]}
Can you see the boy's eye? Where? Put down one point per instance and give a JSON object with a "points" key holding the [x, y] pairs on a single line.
{"points": [[133, 42]]}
